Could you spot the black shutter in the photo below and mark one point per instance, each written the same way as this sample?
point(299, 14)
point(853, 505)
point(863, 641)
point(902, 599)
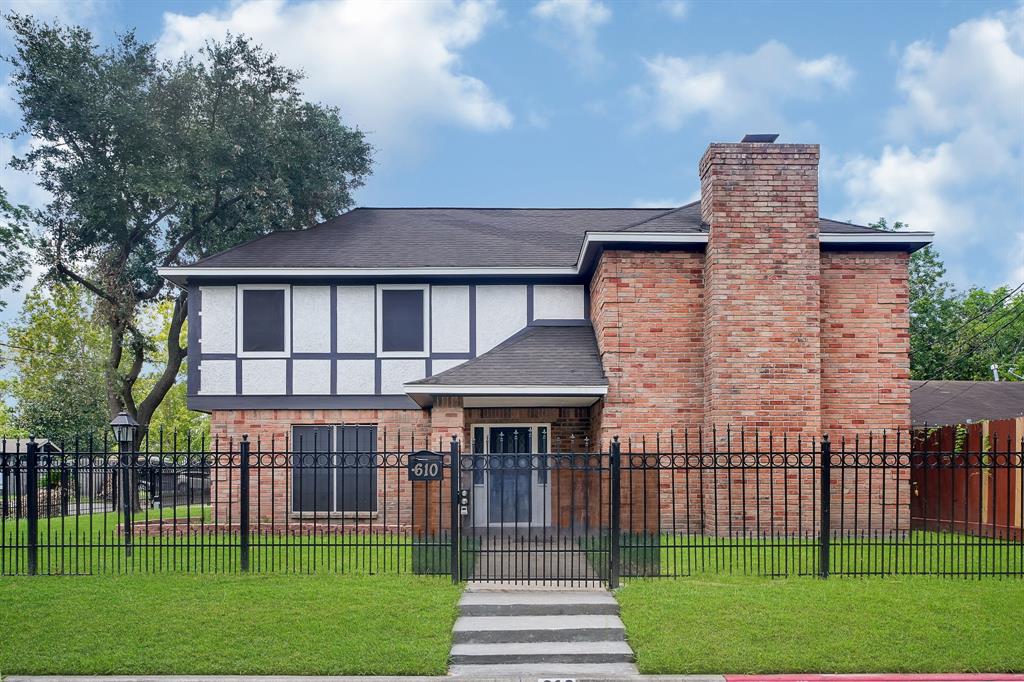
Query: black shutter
point(312, 488)
point(356, 475)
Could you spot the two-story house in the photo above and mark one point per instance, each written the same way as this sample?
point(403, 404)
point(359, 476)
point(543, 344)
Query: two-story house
point(512, 328)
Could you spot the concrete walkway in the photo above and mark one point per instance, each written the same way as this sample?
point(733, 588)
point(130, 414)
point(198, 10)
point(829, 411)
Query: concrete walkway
point(532, 560)
point(540, 634)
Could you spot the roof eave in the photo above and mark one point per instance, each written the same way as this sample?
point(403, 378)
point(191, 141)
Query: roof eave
point(424, 394)
point(885, 241)
point(592, 243)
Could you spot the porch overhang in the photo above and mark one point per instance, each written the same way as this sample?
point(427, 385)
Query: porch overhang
point(509, 396)
point(540, 366)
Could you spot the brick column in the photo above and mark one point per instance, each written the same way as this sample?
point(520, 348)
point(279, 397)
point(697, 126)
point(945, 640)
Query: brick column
point(433, 500)
point(762, 328)
point(647, 313)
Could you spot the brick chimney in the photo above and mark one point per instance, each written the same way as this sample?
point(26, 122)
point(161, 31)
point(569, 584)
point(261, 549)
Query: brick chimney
point(762, 353)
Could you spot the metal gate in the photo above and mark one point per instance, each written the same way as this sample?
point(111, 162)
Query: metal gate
point(531, 516)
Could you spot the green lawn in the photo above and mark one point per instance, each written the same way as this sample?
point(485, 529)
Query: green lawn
point(186, 624)
point(917, 552)
point(734, 624)
point(92, 544)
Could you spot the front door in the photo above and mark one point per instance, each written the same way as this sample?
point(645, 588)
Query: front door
point(510, 477)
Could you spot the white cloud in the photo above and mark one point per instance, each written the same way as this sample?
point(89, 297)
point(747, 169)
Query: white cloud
point(730, 89)
point(572, 27)
point(81, 12)
point(392, 67)
point(675, 9)
point(956, 161)
point(977, 78)
point(907, 186)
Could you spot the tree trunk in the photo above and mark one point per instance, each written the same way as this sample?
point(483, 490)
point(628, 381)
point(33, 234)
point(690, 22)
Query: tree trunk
point(119, 388)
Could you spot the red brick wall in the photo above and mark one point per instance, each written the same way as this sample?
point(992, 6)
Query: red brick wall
point(865, 377)
point(647, 311)
point(270, 486)
point(865, 342)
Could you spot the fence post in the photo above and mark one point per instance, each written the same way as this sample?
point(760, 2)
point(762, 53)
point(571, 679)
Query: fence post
point(127, 466)
point(824, 532)
point(614, 565)
point(243, 503)
point(453, 531)
point(32, 483)
point(6, 480)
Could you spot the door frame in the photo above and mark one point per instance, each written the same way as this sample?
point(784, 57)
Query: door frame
point(540, 493)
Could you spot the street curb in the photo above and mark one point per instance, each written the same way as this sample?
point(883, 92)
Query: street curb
point(345, 678)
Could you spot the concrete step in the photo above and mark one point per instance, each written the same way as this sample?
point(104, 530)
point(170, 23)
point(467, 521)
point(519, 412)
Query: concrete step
point(537, 603)
point(543, 671)
point(484, 630)
point(542, 652)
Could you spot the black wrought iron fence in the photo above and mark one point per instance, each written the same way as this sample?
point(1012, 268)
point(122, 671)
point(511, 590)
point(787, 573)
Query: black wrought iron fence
point(224, 506)
point(688, 503)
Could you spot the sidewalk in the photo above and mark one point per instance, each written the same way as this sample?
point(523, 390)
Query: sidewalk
point(874, 677)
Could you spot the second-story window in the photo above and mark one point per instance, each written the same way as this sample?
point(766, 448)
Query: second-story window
point(403, 312)
point(263, 320)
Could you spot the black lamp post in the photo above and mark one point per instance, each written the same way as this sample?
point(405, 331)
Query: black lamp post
point(125, 430)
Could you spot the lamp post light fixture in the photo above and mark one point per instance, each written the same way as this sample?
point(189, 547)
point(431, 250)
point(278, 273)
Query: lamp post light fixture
point(126, 429)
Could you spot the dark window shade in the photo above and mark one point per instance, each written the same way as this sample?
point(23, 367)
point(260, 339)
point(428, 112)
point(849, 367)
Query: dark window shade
point(356, 474)
point(263, 320)
point(402, 320)
point(334, 475)
point(312, 456)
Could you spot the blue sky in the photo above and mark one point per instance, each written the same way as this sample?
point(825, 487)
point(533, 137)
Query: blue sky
point(918, 107)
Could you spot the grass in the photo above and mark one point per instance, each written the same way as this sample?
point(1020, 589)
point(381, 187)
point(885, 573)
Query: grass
point(91, 544)
point(915, 553)
point(737, 625)
point(247, 625)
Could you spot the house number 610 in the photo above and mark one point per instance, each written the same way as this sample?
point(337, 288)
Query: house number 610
point(425, 467)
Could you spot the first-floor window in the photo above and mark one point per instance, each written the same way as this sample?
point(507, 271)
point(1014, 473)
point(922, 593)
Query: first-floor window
point(334, 468)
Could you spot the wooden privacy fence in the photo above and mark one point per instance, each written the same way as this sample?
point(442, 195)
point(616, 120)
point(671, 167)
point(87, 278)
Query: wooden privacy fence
point(959, 489)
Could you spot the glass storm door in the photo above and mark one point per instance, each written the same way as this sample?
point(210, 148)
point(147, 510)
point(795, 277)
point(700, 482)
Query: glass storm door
point(510, 475)
point(510, 479)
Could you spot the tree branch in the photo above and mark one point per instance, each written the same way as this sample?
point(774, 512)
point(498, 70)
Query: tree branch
point(71, 274)
point(128, 380)
point(175, 355)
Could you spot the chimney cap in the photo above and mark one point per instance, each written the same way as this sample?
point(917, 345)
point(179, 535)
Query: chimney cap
point(760, 137)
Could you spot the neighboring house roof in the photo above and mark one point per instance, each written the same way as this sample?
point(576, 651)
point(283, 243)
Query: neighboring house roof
point(478, 238)
point(10, 446)
point(538, 359)
point(939, 403)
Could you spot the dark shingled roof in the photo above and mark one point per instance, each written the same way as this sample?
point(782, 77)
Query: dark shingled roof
point(461, 237)
point(536, 356)
point(939, 403)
